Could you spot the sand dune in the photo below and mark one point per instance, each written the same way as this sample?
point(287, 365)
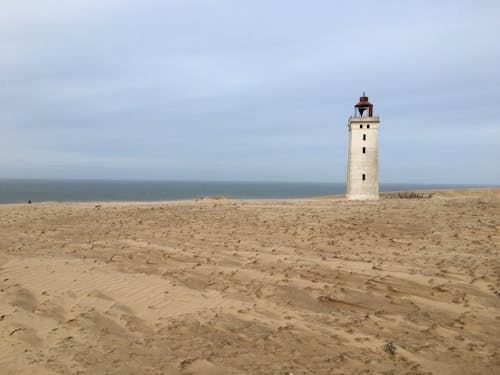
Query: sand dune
point(221, 286)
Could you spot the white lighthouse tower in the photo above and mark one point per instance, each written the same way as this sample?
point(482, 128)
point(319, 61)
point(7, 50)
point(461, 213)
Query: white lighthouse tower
point(362, 163)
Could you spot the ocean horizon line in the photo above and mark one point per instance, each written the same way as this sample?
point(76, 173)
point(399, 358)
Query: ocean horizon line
point(486, 185)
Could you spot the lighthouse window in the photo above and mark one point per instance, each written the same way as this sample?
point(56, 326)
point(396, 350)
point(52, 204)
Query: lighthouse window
point(361, 126)
point(364, 137)
point(368, 126)
point(364, 150)
point(364, 177)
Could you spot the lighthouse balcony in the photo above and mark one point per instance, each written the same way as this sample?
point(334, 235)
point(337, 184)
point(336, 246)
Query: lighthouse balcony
point(364, 119)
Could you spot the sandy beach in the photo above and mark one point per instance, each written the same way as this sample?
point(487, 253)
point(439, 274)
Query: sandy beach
point(222, 286)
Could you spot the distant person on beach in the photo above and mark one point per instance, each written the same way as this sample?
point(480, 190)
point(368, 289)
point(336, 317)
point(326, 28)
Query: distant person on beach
point(29, 201)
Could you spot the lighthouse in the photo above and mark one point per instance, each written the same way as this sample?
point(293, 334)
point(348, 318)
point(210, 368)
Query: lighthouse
point(362, 161)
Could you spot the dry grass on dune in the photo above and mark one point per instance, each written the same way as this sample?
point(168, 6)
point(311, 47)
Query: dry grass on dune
point(318, 286)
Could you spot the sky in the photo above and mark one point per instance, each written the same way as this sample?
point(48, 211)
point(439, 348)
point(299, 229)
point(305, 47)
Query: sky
point(248, 90)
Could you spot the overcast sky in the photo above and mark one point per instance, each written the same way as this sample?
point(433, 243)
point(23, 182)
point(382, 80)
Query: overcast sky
point(248, 90)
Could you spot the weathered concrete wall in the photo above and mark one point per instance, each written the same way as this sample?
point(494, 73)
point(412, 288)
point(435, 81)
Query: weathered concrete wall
point(363, 132)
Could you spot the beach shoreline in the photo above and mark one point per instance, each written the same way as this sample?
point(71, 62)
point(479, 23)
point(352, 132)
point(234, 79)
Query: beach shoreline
point(445, 192)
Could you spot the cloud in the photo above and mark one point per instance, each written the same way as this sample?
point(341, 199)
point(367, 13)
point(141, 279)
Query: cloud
point(240, 90)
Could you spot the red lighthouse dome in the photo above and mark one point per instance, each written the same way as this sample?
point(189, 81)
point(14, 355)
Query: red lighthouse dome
point(363, 105)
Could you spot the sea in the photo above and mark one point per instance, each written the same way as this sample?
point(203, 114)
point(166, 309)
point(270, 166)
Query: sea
point(24, 190)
